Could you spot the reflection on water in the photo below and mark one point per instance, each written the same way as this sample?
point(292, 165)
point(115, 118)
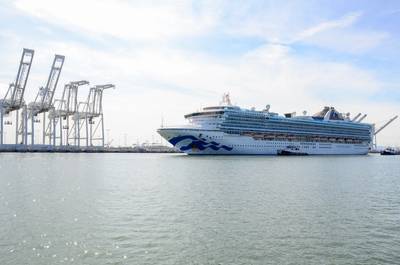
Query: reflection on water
point(177, 209)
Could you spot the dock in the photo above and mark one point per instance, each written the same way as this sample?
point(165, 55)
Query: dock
point(10, 148)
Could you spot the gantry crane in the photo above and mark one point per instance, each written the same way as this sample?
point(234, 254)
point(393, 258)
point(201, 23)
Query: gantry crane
point(91, 113)
point(14, 98)
point(44, 99)
point(64, 109)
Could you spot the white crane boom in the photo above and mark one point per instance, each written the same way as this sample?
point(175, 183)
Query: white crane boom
point(14, 98)
point(69, 100)
point(44, 99)
point(52, 81)
point(106, 86)
point(386, 124)
point(94, 103)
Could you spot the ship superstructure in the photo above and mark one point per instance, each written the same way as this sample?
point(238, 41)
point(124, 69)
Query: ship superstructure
point(229, 129)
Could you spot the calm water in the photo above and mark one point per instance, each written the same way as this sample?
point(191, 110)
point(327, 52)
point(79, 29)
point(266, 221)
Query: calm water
point(176, 209)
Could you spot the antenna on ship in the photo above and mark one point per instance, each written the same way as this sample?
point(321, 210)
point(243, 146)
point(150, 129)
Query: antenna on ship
point(226, 100)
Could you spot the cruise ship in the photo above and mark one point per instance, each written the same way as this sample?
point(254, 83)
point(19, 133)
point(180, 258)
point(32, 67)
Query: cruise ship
point(230, 130)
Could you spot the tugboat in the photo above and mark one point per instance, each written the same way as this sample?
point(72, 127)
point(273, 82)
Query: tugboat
point(390, 151)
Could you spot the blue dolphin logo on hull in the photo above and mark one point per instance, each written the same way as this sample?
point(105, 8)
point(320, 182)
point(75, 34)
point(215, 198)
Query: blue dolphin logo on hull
point(200, 144)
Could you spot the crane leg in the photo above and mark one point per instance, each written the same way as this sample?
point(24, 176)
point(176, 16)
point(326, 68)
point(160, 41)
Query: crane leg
point(87, 131)
point(25, 126)
point(16, 127)
point(33, 130)
point(102, 130)
point(54, 131)
point(1, 126)
point(61, 131)
point(44, 129)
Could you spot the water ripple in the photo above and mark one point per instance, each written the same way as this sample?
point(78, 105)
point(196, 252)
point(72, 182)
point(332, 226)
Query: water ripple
point(174, 209)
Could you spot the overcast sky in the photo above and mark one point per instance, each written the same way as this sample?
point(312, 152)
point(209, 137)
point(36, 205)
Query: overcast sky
point(168, 58)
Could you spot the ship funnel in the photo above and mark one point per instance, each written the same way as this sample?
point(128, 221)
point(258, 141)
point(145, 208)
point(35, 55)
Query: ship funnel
point(327, 115)
point(362, 118)
point(356, 117)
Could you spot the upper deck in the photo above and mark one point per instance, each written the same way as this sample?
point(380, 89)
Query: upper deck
point(326, 123)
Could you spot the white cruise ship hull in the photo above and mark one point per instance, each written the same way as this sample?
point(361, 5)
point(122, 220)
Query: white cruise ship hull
point(214, 142)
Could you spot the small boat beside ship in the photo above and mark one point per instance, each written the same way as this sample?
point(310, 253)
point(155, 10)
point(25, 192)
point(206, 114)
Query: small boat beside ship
point(390, 151)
